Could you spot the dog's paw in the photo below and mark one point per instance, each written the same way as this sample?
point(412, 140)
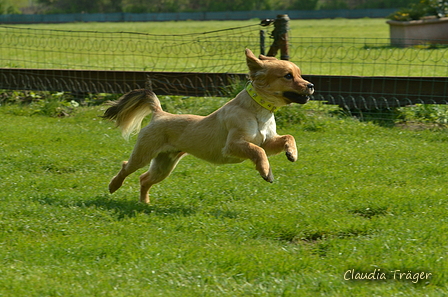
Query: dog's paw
point(269, 177)
point(291, 156)
point(115, 184)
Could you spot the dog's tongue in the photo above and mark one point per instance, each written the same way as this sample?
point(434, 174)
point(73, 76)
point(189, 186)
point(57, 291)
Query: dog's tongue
point(296, 97)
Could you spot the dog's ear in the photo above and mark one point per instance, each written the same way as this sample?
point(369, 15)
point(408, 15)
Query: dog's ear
point(267, 58)
point(253, 62)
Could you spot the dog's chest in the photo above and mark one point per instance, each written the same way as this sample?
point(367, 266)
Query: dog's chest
point(266, 128)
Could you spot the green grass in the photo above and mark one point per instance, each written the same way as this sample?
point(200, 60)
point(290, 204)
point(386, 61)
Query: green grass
point(319, 47)
point(360, 197)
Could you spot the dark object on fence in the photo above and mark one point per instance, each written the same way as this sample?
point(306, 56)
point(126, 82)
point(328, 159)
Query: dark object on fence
point(262, 42)
point(264, 23)
point(350, 92)
point(280, 35)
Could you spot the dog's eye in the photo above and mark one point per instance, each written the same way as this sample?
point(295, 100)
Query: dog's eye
point(288, 76)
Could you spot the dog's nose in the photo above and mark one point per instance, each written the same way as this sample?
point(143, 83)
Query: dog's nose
point(310, 86)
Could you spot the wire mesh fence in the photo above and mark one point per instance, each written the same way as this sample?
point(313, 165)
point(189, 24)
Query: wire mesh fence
point(215, 51)
point(368, 57)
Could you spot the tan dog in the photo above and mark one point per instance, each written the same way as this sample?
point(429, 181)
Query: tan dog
point(244, 128)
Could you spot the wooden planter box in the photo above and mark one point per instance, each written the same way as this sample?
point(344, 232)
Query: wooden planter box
point(434, 31)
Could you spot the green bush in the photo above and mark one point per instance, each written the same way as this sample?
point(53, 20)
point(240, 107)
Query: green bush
point(313, 116)
point(53, 104)
point(436, 114)
point(421, 9)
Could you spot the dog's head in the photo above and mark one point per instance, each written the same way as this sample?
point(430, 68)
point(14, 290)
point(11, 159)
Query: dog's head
point(277, 80)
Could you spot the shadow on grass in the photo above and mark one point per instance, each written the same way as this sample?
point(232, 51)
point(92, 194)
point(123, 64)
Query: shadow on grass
point(123, 208)
point(370, 212)
point(129, 209)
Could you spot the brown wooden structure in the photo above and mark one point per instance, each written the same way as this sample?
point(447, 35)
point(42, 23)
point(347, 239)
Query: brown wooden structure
point(350, 92)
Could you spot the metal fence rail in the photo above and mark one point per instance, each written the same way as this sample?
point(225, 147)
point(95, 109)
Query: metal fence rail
point(350, 92)
point(378, 93)
point(98, 81)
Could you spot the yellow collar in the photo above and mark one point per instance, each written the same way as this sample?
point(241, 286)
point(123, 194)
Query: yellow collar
point(257, 98)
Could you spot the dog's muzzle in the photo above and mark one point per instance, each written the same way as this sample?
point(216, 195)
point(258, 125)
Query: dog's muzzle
point(296, 97)
point(299, 98)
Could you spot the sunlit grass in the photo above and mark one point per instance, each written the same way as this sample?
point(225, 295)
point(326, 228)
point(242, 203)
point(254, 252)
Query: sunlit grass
point(360, 197)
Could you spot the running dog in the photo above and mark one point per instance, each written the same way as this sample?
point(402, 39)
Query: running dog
point(244, 128)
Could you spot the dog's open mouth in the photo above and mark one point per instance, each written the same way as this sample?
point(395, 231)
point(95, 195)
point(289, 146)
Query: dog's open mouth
point(296, 97)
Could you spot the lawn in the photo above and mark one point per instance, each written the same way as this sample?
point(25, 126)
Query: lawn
point(360, 199)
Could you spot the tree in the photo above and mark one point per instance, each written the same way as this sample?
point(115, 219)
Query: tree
point(7, 8)
point(88, 6)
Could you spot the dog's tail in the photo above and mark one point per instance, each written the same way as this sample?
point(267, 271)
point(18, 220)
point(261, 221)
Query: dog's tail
point(129, 111)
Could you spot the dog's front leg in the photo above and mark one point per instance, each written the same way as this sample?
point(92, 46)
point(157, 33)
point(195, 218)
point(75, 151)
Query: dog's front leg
point(279, 143)
point(246, 150)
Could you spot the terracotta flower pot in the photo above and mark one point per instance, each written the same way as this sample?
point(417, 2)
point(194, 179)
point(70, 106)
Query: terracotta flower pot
point(433, 31)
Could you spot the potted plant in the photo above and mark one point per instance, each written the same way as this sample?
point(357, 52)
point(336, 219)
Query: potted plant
point(421, 23)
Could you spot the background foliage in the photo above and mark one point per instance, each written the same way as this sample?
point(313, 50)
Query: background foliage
point(140, 6)
point(421, 9)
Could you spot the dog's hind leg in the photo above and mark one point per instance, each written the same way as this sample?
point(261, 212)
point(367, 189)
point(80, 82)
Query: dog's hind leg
point(118, 179)
point(160, 168)
point(140, 157)
point(127, 168)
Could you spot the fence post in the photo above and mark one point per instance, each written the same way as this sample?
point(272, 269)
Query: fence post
point(280, 35)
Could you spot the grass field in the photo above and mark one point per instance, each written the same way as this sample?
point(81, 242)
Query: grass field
point(360, 199)
point(328, 47)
